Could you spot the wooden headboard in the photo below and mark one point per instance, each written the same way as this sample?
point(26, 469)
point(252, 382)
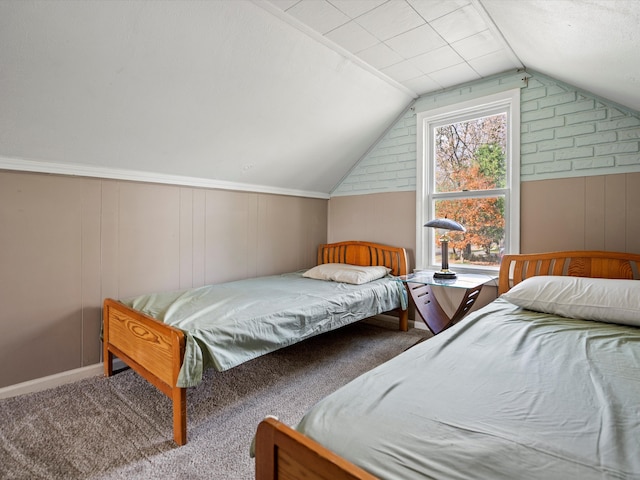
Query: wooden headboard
point(576, 263)
point(365, 254)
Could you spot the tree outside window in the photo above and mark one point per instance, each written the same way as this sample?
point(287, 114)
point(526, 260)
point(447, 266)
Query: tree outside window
point(470, 157)
point(468, 170)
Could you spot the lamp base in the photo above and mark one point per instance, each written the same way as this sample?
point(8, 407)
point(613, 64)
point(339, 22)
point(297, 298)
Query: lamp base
point(445, 274)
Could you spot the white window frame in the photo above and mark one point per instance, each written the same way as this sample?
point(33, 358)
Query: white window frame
point(507, 102)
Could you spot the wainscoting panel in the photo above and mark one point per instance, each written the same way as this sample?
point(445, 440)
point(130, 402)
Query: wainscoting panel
point(68, 242)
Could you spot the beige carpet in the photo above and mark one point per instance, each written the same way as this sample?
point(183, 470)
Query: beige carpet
point(120, 427)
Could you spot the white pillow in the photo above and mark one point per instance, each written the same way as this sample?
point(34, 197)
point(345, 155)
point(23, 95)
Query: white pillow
point(342, 272)
point(607, 300)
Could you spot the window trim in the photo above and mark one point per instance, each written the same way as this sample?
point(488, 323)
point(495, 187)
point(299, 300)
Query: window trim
point(507, 101)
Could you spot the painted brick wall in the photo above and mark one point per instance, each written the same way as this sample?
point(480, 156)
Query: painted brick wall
point(390, 166)
point(568, 133)
point(564, 133)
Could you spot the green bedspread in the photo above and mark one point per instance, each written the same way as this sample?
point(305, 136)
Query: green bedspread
point(230, 323)
point(505, 394)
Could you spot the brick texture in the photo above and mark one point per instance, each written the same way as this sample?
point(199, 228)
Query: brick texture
point(564, 133)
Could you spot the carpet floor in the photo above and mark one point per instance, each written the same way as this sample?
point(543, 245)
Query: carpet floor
point(120, 427)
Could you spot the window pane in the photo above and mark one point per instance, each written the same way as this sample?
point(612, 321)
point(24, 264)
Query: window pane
point(483, 242)
point(470, 155)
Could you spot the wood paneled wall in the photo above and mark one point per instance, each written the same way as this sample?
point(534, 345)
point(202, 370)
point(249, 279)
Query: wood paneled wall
point(68, 242)
point(585, 213)
point(590, 213)
point(388, 218)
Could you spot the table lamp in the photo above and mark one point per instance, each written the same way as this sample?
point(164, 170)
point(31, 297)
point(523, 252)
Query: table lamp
point(445, 224)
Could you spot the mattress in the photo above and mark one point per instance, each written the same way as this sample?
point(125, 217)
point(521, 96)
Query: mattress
point(506, 393)
point(230, 323)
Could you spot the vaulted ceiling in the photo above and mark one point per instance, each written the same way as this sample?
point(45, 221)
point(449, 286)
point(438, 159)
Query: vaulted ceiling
point(280, 95)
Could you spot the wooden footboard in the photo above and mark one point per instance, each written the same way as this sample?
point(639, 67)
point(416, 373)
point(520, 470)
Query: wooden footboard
point(283, 453)
point(153, 349)
point(156, 350)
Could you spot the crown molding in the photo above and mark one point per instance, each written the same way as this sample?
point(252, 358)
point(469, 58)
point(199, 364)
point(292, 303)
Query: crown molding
point(147, 177)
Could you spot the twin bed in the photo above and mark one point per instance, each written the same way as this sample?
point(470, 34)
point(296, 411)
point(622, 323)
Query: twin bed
point(544, 382)
point(171, 338)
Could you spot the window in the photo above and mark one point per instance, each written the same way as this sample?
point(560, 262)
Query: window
point(468, 171)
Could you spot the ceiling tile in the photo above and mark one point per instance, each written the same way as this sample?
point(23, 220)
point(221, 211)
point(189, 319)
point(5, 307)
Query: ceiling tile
point(477, 45)
point(493, 63)
point(432, 9)
point(438, 59)
point(422, 84)
point(355, 8)
point(352, 37)
point(461, 23)
point(455, 75)
point(390, 19)
point(320, 15)
point(380, 56)
point(414, 42)
point(402, 71)
point(284, 4)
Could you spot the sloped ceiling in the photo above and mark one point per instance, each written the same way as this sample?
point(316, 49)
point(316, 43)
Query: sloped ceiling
point(591, 44)
point(281, 95)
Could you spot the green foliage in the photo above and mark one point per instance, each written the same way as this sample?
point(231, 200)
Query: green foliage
point(470, 156)
point(492, 164)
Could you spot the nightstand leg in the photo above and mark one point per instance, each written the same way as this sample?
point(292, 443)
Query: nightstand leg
point(428, 307)
point(430, 310)
point(470, 297)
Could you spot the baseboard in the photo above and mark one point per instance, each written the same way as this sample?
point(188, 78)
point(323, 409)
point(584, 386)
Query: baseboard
point(57, 379)
point(70, 376)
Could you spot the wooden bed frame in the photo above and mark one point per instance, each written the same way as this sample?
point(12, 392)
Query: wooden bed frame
point(283, 453)
point(156, 350)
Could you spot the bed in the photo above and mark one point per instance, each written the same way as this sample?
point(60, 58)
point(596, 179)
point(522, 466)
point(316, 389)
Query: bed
point(543, 382)
point(170, 338)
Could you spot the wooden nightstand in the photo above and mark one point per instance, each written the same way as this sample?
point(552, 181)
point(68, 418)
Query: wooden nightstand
point(419, 287)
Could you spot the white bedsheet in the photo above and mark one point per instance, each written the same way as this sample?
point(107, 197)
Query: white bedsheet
point(230, 323)
point(504, 394)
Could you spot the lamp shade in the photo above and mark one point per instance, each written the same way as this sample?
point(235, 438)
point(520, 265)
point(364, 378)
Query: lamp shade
point(445, 224)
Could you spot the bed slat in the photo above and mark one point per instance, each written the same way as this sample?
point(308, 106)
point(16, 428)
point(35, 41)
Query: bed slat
point(545, 267)
point(577, 263)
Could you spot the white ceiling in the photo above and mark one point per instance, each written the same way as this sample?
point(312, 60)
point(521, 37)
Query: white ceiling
point(428, 45)
point(425, 45)
point(284, 95)
point(591, 44)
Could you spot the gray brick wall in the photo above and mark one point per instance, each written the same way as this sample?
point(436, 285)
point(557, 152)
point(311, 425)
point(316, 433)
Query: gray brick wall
point(564, 133)
point(568, 133)
point(390, 166)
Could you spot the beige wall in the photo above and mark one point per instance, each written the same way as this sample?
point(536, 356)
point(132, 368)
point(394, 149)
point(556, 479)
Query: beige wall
point(586, 213)
point(68, 242)
point(388, 218)
point(590, 213)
